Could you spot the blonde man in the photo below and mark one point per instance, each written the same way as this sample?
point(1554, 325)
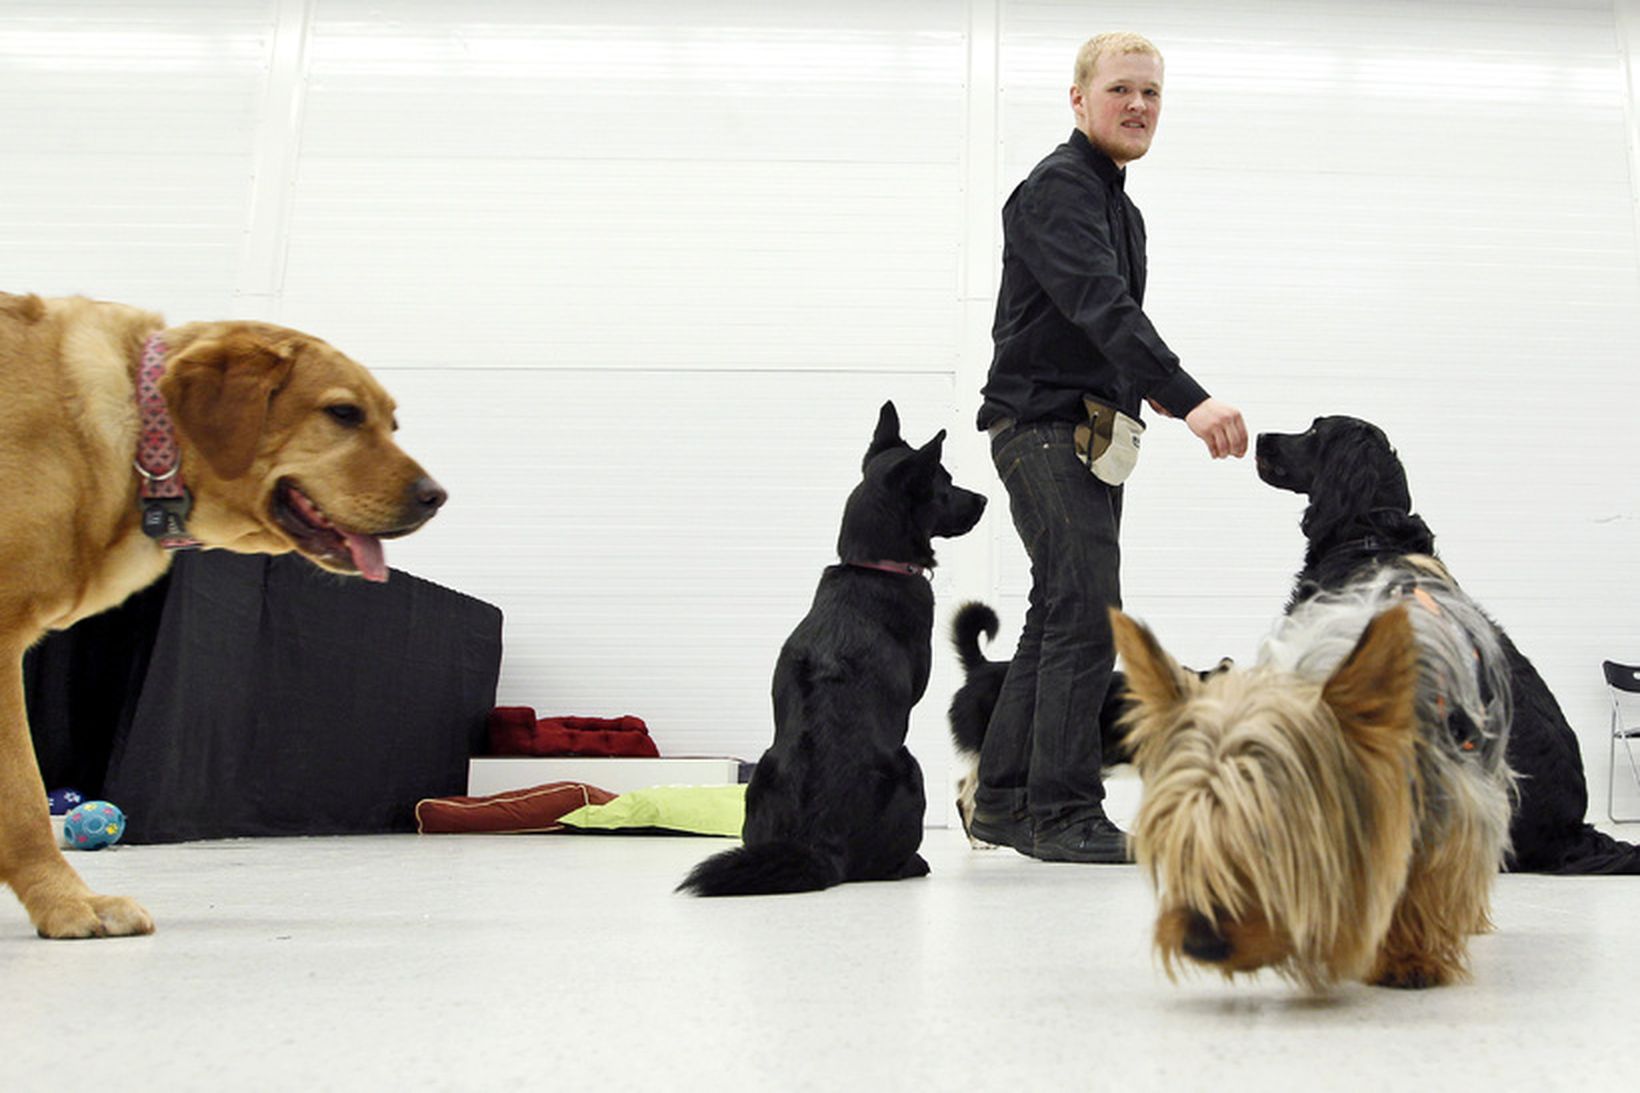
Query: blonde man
point(1070, 326)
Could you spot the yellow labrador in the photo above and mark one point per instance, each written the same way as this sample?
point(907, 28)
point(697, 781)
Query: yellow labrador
point(121, 438)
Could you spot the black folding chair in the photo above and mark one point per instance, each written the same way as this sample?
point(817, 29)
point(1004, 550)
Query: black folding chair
point(1623, 680)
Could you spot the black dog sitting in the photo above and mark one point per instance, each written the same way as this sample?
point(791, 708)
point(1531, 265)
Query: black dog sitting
point(1360, 516)
point(837, 797)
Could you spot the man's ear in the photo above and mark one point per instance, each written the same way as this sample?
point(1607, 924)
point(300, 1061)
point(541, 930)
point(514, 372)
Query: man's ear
point(1373, 692)
point(1079, 103)
point(218, 391)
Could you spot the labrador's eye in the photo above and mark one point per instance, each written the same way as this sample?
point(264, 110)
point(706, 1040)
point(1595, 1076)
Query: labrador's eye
point(346, 414)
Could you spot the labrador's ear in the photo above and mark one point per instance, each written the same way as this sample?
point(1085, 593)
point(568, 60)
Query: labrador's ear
point(218, 391)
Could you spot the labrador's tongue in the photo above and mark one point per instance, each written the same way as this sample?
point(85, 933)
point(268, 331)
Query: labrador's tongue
point(368, 555)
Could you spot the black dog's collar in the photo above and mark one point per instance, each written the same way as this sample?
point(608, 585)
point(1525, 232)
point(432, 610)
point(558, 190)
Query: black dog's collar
point(906, 569)
point(1367, 544)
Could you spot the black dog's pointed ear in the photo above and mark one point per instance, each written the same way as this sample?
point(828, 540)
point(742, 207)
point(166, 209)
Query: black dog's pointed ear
point(887, 434)
point(933, 449)
point(926, 460)
point(915, 474)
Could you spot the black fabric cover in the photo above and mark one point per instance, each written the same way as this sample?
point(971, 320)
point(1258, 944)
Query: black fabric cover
point(247, 695)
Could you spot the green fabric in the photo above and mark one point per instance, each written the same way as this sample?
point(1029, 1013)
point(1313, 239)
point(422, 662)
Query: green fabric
point(701, 810)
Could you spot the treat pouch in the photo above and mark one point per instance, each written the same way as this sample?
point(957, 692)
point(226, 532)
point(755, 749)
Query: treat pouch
point(1108, 442)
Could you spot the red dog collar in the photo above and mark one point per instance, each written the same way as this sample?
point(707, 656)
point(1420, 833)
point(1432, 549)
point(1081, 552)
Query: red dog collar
point(165, 500)
point(906, 569)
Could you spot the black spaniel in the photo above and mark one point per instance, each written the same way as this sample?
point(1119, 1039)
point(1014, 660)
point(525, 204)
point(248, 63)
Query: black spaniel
point(1360, 517)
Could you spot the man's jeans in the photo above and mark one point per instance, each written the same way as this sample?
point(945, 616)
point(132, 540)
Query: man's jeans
point(1041, 751)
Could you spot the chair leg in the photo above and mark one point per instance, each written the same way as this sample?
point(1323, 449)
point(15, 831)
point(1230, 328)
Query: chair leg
point(1611, 772)
point(1634, 769)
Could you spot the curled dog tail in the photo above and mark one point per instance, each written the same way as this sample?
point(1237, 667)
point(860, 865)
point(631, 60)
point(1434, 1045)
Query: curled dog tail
point(971, 620)
point(763, 869)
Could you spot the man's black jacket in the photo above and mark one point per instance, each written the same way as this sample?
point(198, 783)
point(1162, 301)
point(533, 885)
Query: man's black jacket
point(1068, 319)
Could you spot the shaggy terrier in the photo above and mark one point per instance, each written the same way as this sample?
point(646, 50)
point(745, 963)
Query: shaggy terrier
point(1338, 810)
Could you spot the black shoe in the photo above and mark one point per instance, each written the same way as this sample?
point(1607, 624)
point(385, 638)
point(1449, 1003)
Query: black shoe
point(1009, 829)
point(1092, 840)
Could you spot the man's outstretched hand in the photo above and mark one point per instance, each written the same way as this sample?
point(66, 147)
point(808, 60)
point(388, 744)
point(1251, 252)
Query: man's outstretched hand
point(1220, 427)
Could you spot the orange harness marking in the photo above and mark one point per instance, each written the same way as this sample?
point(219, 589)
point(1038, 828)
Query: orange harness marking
point(1427, 602)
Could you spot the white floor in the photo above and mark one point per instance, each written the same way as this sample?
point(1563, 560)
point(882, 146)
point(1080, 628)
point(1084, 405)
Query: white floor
point(565, 961)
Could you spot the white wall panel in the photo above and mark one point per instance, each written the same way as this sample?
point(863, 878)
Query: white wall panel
point(127, 136)
point(639, 275)
point(742, 186)
point(571, 264)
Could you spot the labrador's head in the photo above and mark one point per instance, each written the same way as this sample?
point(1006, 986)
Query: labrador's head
point(288, 446)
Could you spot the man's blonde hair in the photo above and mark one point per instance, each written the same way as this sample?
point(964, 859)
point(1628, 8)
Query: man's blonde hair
point(1120, 41)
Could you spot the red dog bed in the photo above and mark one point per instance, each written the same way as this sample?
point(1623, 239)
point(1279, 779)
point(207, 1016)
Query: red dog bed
point(515, 730)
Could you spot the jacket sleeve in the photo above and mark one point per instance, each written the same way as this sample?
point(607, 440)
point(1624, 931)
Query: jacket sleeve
point(1061, 232)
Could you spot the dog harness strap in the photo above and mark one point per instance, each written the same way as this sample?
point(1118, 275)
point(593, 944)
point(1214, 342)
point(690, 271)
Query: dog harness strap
point(165, 500)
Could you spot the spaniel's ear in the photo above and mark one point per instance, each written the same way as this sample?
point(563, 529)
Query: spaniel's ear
point(218, 391)
point(1360, 470)
point(1348, 470)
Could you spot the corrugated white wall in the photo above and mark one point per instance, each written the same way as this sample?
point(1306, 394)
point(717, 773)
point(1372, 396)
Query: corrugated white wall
point(640, 274)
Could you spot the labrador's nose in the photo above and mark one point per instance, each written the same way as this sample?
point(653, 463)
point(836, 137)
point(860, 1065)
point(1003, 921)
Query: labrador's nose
point(427, 497)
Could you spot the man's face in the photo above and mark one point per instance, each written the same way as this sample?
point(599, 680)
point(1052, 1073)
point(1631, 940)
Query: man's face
point(1119, 108)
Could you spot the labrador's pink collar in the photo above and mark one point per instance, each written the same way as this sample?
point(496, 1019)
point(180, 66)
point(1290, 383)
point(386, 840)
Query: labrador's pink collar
point(164, 499)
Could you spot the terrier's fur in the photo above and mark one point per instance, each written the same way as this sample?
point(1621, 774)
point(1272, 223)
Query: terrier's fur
point(1337, 811)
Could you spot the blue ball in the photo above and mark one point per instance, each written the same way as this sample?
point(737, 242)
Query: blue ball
point(93, 825)
point(63, 799)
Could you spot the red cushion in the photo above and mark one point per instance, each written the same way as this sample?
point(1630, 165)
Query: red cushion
point(511, 729)
point(516, 811)
point(515, 730)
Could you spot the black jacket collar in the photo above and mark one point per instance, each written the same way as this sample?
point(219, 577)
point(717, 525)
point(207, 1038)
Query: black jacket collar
point(1102, 164)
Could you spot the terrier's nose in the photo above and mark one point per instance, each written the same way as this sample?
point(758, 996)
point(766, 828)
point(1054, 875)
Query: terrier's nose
point(1203, 942)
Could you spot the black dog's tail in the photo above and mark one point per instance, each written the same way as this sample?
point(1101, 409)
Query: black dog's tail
point(1593, 851)
point(971, 620)
point(762, 870)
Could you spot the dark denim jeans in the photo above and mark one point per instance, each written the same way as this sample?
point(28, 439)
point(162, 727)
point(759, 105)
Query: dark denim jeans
point(1041, 751)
